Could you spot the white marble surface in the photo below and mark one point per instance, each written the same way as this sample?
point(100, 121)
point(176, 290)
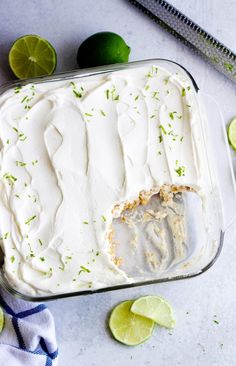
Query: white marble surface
point(81, 322)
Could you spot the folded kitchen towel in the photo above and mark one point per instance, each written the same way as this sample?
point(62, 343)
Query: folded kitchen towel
point(28, 337)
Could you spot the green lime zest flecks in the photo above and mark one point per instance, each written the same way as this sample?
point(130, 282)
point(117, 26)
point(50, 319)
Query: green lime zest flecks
point(12, 259)
point(180, 170)
point(77, 92)
point(20, 163)
point(163, 129)
point(155, 95)
point(30, 219)
point(17, 89)
point(171, 115)
point(21, 135)
point(104, 218)
point(5, 236)
point(24, 99)
point(114, 95)
point(107, 93)
point(34, 162)
point(166, 80)
point(84, 269)
point(10, 178)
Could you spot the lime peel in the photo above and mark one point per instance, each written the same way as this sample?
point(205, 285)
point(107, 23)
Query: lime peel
point(156, 309)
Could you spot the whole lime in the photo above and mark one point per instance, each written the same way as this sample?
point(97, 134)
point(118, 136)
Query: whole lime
point(103, 48)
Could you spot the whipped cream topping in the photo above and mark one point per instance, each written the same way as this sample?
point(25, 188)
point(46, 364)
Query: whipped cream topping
point(74, 149)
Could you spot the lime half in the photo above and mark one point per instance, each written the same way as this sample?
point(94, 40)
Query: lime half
point(1, 320)
point(127, 327)
point(32, 56)
point(155, 308)
point(232, 133)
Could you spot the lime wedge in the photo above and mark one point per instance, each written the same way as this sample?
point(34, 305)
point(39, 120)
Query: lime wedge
point(155, 308)
point(1, 320)
point(232, 133)
point(32, 56)
point(127, 327)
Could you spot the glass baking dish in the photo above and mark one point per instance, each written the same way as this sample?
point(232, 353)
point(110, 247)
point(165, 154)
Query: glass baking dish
point(222, 197)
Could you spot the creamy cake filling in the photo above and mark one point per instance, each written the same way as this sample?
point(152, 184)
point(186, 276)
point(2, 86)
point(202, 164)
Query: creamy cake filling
point(75, 152)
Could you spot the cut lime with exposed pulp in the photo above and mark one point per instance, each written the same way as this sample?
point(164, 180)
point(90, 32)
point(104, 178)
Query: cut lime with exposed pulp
point(127, 327)
point(103, 48)
point(31, 56)
point(1, 320)
point(155, 308)
point(232, 133)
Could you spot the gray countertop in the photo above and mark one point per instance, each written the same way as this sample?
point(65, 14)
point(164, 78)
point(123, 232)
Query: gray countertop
point(81, 322)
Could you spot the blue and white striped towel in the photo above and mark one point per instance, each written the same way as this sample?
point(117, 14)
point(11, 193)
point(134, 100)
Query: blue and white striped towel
point(28, 337)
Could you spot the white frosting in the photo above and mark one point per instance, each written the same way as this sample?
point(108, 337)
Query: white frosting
point(70, 151)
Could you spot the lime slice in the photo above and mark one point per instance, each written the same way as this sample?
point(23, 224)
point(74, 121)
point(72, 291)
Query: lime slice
point(127, 327)
point(232, 133)
point(32, 56)
point(1, 320)
point(155, 308)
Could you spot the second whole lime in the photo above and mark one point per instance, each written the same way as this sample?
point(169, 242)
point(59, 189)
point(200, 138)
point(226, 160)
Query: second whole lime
point(103, 48)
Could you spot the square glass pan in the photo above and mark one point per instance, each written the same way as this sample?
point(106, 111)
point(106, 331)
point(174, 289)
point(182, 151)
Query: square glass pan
point(222, 197)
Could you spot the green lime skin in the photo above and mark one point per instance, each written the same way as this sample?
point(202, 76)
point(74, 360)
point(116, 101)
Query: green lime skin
point(103, 48)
